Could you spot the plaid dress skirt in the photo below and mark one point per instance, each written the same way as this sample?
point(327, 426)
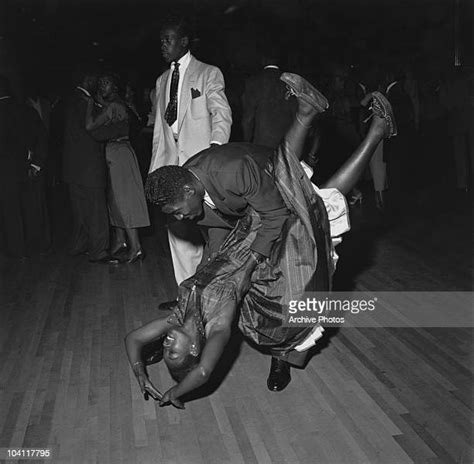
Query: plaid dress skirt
point(300, 262)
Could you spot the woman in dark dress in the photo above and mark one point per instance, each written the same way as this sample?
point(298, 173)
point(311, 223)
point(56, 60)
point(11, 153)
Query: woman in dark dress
point(126, 199)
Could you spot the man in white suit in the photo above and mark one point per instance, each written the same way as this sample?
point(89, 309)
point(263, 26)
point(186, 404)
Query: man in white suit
point(192, 113)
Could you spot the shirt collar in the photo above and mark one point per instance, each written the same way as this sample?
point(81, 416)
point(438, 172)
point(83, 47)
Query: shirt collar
point(183, 61)
point(84, 91)
point(207, 198)
point(271, 66)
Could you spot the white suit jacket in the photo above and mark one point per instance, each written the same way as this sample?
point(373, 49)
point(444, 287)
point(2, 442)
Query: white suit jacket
point(204, 115)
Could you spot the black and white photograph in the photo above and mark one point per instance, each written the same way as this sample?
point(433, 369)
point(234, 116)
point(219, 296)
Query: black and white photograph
point(236, 231)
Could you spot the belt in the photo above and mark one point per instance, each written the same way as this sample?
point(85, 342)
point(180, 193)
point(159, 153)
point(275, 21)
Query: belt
point(120, 139)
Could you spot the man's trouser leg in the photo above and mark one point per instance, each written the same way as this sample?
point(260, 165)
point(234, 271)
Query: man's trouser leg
point(79, 233)
point(91, 222)
point(293, 357)
point(11, 217)
point(97, 222)
point(186, 246)
point(36, 214)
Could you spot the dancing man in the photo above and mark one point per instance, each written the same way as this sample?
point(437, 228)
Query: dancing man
point(269, 242)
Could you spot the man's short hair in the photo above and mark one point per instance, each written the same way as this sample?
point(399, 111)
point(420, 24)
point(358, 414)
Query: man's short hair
point(165, 185)
point(180, 24)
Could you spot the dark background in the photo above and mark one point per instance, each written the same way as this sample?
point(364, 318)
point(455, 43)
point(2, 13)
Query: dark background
point(42, 40)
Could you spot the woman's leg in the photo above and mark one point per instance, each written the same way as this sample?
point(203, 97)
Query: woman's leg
point(350, 172)
point(119, 241)
point(133, 241)
point(296, 135)
point(310, 103)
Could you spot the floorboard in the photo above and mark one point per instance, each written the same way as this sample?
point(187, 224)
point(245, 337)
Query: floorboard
point(370, 395)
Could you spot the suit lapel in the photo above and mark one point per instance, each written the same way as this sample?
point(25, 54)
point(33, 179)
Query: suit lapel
point(185, 98)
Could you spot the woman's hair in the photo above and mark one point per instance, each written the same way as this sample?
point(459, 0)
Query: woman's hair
point(187, 365)
point(116, 79)
point(165, 185)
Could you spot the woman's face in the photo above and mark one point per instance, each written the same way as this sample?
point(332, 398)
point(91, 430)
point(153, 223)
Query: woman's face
point(176, 346)
point(106, 87)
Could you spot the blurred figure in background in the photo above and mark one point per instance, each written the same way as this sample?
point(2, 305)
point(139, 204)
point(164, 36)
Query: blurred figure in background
point(24, 224)
point(456, 95)
point(340, 134)
point(400, 153)
point(378, 170)
point(267, 112)
point(84, 171)
point(125, 195)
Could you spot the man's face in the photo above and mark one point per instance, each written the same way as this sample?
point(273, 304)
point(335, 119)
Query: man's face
point(173, 47)
point(189, 206)
point(90, 83)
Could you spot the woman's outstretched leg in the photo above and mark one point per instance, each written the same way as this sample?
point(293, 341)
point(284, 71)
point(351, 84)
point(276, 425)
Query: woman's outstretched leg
point(310, 103)
point(382, 126)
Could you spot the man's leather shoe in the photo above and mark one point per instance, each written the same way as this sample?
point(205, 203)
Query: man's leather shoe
point(107, 259)
point(76, 252)
point(167, 305)
point(301, 88)
point(279, 376)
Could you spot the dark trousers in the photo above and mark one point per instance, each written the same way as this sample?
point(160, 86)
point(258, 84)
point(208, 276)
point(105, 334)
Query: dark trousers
point(401, 156)
point(11, 218)
point(91, 220)
point(24, 217)
point(35, 214)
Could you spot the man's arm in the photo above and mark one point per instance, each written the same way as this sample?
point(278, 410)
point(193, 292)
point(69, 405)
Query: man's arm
point(218, 106)
point(157, 129)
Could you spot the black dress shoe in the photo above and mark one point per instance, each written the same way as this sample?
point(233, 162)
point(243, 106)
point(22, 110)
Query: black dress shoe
point(279, 376)
point(107, 259)
point(138, 256)
point(117, 250)
point(76, 252)
point(167, 305)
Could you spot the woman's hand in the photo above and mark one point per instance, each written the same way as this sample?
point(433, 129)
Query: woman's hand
point(147, 388)
point(170, 398)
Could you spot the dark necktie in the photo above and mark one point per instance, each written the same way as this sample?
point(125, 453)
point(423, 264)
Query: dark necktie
point(171, 112)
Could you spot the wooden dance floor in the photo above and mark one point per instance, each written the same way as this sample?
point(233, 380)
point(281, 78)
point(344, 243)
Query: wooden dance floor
point(368, 396)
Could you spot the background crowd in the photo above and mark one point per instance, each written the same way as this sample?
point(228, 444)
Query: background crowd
point(430, 160)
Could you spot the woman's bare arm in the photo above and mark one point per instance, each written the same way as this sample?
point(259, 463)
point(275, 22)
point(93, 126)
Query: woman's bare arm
point(134, 342)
